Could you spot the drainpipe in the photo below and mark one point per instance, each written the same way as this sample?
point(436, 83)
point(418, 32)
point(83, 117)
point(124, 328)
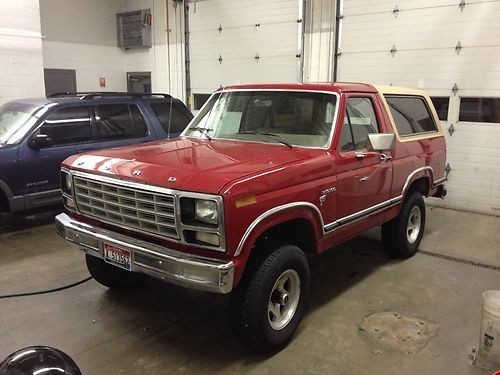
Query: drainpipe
point(338, 36)
point(300, 41)
point(186, 54)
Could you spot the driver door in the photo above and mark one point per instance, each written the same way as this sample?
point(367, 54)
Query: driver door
point(70, 133)
point(364, 177)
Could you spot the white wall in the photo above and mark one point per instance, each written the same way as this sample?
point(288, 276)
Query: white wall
point(21, 64)
point(81, 35)
point(165, 59)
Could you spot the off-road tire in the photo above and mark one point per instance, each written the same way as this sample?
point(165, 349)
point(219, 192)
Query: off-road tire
point(111, 276)
point(398, 237)
point(250, 301)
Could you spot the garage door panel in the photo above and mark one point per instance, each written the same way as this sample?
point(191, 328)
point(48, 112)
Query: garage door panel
point(241, 71)
point(238, 43)
point(212, 13)
point(264, 42)
point(425, 57)
point(357, 7)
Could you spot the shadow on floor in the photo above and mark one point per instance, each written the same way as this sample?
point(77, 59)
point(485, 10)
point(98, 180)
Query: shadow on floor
point(11, 222)
point(181, 322)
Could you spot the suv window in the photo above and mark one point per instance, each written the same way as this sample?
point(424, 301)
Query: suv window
point(177, 119)
point(67, 126)
point(359, 121)
point(411, 115)
point(113, 121)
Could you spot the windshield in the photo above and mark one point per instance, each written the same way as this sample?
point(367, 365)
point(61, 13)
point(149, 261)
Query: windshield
point(15, 120)
point(288, 117)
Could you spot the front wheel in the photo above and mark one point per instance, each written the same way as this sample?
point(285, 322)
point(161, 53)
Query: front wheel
point(269, 303)
point(111, 276)
point(402, 235)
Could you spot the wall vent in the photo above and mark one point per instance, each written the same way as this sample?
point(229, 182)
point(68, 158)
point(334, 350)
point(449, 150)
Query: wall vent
point(134, 29)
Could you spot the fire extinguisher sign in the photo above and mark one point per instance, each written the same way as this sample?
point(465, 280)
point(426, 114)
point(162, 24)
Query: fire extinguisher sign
point(102, 82)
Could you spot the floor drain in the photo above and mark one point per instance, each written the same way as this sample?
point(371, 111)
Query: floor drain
point(455, 259)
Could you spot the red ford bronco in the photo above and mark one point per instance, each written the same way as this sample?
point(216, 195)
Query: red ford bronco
point(261, 176)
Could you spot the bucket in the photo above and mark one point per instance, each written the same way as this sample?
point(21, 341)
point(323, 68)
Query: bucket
point(489, 339)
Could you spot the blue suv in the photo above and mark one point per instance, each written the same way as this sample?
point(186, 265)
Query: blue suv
point(36, 135)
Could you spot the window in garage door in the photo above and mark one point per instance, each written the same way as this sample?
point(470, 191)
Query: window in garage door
point(479, 110)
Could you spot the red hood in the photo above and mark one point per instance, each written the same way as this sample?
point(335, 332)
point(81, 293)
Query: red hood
point(196, 164)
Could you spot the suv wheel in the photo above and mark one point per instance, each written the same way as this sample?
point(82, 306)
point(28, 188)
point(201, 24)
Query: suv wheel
point(111, 276)
point(402, 235)
point(269, 303)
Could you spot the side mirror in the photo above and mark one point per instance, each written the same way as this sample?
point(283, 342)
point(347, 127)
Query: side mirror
point(40, 141)
point(382, 142)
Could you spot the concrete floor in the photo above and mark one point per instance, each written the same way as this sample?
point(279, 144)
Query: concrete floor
point(163, 329)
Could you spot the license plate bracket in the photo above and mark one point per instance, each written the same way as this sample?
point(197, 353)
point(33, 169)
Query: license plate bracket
point(117, 256)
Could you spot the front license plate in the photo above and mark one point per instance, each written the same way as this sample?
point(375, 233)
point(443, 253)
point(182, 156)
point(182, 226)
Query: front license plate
point(117, 256)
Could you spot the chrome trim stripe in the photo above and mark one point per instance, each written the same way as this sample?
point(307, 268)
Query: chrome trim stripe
point(271, 212)
point(179, 268)
point(346, 220)
point(439, 182)
point(410, 176)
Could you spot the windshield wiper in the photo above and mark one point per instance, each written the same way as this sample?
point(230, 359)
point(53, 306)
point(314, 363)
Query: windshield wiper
point(265, 133)
point(204, 131)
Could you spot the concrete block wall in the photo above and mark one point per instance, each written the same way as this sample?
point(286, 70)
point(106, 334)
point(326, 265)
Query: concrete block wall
point(21, 59)
point(81, 35)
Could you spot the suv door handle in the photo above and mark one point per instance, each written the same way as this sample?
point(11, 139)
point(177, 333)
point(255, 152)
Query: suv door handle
point(359, 154)
point(86, 150)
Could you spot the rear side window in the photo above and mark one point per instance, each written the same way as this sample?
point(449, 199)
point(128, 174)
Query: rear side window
point(359, 121)
point(68, 126)
point(172, 122)
point(115, 121)
point(411, 115)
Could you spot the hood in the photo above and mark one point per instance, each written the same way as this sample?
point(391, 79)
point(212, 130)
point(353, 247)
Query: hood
point(187, 163)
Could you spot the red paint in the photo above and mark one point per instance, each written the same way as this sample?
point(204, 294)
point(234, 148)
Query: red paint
point(276, 175)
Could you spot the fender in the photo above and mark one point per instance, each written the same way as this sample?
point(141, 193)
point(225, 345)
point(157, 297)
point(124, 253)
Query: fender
point(14, 204)
point(417, 173)
point(276, 216)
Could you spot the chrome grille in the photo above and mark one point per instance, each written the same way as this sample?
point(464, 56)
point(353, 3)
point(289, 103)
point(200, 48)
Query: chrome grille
point(137, 209)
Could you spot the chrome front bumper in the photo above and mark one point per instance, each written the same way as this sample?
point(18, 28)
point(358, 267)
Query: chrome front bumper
point(191, 271)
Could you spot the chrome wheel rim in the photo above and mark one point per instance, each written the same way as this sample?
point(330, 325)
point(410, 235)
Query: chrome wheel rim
point(414, 224)
point(283, 300)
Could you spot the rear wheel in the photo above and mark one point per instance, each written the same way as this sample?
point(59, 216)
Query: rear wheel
point(269, 303)
point(111, 276)
point(402, 235)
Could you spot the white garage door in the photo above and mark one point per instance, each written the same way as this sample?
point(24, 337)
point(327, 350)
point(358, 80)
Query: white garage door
point(437, 45)
point(241, 41)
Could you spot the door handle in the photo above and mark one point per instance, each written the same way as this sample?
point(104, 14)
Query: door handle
point(385, 157)
point(359, 154)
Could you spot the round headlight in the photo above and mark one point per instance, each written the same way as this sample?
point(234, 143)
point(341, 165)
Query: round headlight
point(206, 211)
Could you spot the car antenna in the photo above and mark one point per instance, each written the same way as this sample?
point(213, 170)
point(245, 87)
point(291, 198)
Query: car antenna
point(169, 117)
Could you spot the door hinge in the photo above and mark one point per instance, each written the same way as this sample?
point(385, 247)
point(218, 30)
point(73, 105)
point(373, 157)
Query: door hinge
point(451, 130)
point(447, 170)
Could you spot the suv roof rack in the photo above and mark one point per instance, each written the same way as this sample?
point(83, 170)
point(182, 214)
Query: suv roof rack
point(107, 94)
